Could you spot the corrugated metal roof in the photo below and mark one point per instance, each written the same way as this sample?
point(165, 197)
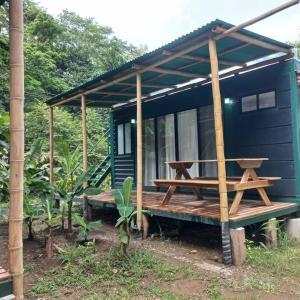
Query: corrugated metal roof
point(180, 68)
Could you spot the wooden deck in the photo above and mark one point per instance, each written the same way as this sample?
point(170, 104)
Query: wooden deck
point(187, 207)
point(5, 283)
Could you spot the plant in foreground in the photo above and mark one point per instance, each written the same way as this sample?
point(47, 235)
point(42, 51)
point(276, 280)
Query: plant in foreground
point(127, 212)
point(32, 211)
point(85, 226)
point(52, 220)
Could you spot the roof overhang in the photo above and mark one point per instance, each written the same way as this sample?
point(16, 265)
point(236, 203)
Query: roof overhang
point(179, 63)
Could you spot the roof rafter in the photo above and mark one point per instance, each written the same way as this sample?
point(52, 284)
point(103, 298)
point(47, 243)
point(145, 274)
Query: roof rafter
point(205, 59)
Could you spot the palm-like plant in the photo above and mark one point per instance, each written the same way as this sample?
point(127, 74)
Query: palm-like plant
point(85, 227)
point(32, 212)
point(127, 212)
point(52, 220)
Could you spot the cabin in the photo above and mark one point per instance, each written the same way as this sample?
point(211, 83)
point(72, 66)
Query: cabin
point(207, 125)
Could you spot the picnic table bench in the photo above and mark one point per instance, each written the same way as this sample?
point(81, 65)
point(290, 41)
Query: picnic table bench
point(249, 180)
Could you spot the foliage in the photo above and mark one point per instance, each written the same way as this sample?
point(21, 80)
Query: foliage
point(52, 219)
point(4, 146)
point(126, 211)
point(32, 212)
point(72, 178)
point(60, 53)
point(85, 227)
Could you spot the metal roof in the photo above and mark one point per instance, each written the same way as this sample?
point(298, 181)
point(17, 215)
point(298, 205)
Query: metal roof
point(165, 68)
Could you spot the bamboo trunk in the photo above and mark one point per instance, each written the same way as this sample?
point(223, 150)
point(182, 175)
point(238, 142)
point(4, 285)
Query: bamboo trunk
point(15, 239)
point(220, 151)
point(139, 150)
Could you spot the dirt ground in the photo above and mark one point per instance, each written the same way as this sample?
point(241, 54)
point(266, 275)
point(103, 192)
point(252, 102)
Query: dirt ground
point(177, 243)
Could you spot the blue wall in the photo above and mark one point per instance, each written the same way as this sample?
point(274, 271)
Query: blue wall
point(263, 133)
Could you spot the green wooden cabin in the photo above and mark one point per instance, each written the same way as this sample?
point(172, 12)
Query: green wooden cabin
point(261, 118)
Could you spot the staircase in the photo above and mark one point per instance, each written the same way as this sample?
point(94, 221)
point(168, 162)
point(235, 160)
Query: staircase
point(100, 172)
point(103, 169)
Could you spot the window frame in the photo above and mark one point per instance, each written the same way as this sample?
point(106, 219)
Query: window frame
point(257, 93)
point(124, 139)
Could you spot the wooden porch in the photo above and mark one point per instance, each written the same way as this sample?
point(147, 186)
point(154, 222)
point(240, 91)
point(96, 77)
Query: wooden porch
point(187, 207)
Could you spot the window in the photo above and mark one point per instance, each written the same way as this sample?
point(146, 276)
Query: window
point(266, 100)
point(166, 145)
point(207, 140)
point(149, 156)
point(124, 138)
point(249, 103)
point(259, 101)
point(188, 138)
point(121, 139)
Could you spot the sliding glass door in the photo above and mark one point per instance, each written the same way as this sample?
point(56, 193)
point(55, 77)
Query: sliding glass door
point(207, 140)
point(166, 145)
point(188, 138)
point(149, 156)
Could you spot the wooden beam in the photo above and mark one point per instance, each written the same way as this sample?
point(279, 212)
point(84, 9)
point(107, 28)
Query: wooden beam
point(169, 71)
point(159, 86)
point(233, 49)
point(220, 151)
point(249, 40)
point(139, 119)
point(16, 184)
point(51, 143)
point(222, 76)
point(201, 59)
point(261, 17)
point(115, 94)
point(128, 76)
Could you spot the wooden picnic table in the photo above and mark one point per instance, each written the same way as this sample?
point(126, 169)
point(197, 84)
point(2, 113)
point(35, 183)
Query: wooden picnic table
point(249, 180)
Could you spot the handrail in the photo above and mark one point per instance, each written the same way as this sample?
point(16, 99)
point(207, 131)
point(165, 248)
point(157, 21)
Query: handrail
point(104, 136)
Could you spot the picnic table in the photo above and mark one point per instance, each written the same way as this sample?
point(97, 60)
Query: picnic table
point(249, 180)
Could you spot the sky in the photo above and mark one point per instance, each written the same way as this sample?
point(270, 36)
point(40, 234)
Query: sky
point(157, 22)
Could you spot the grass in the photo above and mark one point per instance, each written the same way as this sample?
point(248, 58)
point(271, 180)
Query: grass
point(115, 276)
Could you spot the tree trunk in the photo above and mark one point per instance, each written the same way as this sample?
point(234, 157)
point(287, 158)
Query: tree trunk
point(30, 233)
point(49, 244)
point(70, 204)
point(63, 218)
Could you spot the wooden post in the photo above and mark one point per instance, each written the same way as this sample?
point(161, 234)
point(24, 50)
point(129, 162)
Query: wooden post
point(51, 139)
point(15, 238)
point(271, 233)
point(139, 198)
point(220, 151)
point(84, 154)
point(238, 243)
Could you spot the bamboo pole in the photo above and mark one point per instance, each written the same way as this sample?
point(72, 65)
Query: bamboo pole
point(261, 17)
point(84, 137)
point(220, 150)
point(15, 239)
point(51, 140)
point(84, 152)
point(139, 150)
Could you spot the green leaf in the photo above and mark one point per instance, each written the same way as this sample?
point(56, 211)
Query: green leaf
point(127, 189)
point(91, 191)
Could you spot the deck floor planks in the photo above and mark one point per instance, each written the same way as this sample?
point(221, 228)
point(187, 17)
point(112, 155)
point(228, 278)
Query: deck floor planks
point(4, 275)
point(189, 205)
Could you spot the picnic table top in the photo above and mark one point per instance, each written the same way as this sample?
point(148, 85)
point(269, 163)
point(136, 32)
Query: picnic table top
point(215, 160)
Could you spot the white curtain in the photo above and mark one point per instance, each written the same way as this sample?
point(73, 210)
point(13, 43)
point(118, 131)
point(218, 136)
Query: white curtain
point(120, 139)
point(188, 138)
point(149, 159)
point(207, 140)
point(166, 145)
